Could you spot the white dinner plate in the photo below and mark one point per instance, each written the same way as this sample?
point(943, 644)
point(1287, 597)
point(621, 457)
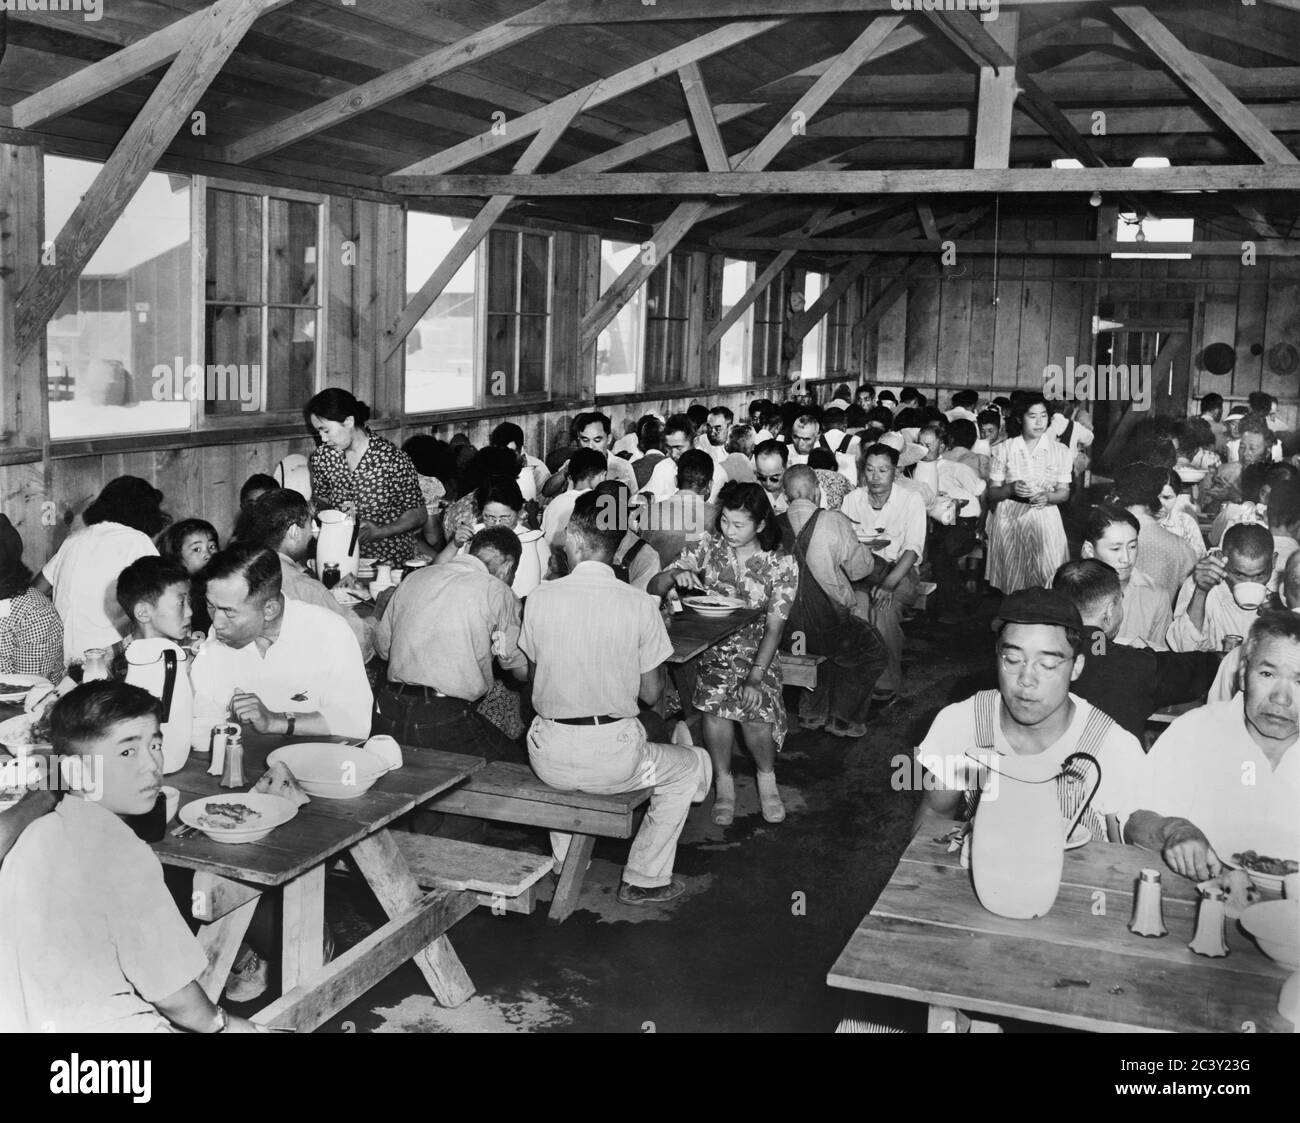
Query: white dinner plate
point(713, 605)
point(15, 687)
point(16, 735)
point(1270, 881)
point(268, 812)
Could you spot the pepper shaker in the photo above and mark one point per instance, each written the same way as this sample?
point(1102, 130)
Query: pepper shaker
point(1148, 918)
point(1210, 919)
point(232, 772)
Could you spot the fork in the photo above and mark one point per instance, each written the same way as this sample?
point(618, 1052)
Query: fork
point(184, 831)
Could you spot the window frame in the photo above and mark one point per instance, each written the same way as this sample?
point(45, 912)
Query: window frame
point(745, 325)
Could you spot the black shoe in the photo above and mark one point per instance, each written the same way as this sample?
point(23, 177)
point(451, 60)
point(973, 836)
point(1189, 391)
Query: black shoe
point(635, 895)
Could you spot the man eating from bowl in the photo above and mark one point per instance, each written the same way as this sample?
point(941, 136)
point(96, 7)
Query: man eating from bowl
point(90, 938)
point(1223, 595)
point(1226, 778)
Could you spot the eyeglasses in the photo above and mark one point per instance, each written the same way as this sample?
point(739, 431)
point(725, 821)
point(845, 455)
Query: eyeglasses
point(772, 479)
point(500, 520)
point(1013, 661)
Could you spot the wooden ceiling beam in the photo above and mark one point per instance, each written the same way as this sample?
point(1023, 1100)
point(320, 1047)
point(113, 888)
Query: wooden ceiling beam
point(848, 273)
point(661, 138)
point(638, 11)
point(1216, 97)
point(108, 74)
point(1020, 247)
point(1216, 177)
point(706, 124)
point(996, 105)
point(596, 94)
point(205, 51)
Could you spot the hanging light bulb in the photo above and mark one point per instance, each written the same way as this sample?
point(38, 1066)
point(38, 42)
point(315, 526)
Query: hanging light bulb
point(1095, 199)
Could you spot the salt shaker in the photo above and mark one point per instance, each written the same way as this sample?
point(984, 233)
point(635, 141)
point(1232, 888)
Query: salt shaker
point(1148, 919)
point(1210, 918)
point(232, 771)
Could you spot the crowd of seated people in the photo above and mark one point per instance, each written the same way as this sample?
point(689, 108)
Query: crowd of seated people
point(1117, 597)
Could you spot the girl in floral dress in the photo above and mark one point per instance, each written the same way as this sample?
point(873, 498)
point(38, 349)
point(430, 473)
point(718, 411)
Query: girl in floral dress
point(739, 683)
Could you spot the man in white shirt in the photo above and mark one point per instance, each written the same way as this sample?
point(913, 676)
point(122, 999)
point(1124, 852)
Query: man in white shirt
point(717, 429)
point(891, 521)
point(958, 481)
point(1032, 720)
point(965, 406)
point(1111, 536)
point(1226, 778)
point(1227, 683)
point(592, 431)
point(278, 665)
point(805, 435)
point(533, 473)
point(587, 468)
point(769, 466)
point(679, 435)
point(1218, 599)
point(682, 519)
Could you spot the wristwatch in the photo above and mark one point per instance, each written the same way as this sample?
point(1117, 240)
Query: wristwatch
point(292, 720)
point(223, 1020)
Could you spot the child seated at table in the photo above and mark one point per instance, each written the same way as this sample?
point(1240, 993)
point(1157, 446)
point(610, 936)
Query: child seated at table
point(90, 938)
point(190, 544)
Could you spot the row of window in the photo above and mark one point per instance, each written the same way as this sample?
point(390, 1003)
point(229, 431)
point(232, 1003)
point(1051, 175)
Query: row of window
point(121, 347)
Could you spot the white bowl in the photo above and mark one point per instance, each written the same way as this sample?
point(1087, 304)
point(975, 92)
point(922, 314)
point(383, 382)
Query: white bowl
point(16, 735)
point(1190, 475)
point(713, 605)
point(272, 812)
point(15, 687)
point(328, 770)
point(1275, 925)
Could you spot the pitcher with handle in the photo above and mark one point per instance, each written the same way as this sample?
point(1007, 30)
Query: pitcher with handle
point(337, 543)
point(1019, 832)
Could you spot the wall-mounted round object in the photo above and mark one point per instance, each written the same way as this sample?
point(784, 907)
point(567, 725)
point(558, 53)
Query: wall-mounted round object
point(1218, 358)
point(1257, 349)
point(1283, 359)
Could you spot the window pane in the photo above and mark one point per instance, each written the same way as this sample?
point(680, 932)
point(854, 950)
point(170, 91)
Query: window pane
point(532, 354)
point(679, 289)
point(733, 351)
point(234, 268)
point(500, 354)
point(503, 251)
point(290, 357)
point(810, 360)
point(234, 350)
point(618, 349)
point(534, 274)
point(292, 236)
point(127, 319)
point(440, 350)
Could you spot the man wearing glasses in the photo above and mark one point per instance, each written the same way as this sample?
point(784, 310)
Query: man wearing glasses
point(1040, 652)
point(769, 469)
point(679, 437)
point(717, 429)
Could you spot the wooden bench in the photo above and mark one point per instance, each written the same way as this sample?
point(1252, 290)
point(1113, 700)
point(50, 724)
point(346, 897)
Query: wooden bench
point(505, 880)
point(511, 793)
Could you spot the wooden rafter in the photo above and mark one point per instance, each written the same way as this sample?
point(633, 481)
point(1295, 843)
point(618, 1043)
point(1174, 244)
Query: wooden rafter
point(1214, 177)
point(205, 51)
point(99, 78)
point(595, 93)
point(638, 11)
point(1263, 247)
point(685, 215)
point(386, 87)
point(1221, 101)
point(997, 100)
point(660, 139)
point(830, 296)
point(562, 114)
point(706, 124)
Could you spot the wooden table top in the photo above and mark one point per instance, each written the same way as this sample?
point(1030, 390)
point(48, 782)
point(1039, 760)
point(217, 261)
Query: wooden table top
point(928, 939)
point(321, 829)
point(693, 633)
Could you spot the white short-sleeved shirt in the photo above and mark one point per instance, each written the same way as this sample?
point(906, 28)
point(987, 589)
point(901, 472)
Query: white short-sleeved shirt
point(901, 520)
point(1206, 768)
point(1124, 771)
point(313, 665)
point(1050, 465)
point(663, 480)
point(557, 514)
point(83, 575)
point(90, 937)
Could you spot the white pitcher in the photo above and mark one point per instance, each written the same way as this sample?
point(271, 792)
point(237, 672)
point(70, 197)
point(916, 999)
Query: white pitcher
point(337, 543)
point(532, 564)
point(158, 666)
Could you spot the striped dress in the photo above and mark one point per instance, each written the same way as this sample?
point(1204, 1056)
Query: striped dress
point(1027, 544)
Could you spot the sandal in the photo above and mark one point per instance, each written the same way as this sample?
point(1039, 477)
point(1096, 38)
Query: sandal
point(724, 812)
point(884, 701)
point(772, 807)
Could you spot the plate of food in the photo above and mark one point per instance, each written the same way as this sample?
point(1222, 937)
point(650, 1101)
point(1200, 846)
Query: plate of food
point(25, 733)
point(15, 687)
point(1264, 872)
point(713, 605)
point(237, 817)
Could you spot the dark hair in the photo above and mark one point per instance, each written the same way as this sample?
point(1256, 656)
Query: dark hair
point(1140, 485)
point(855, 417)
point(1211, 402)
point(499, 489)
point(989, 417)
point(1088, 583)
point(699, 415)
point(964, 399)
point(1270, 625)
point(335, 404)
point(1073, 636)
point(820, 458)
point(865, 387)
point(722, 411)
point(497, 539)
point(680, 423)
point(585, 463)
point(739, 438)
point(695, 471)
point(877, 449)
point(486, 463)
point(1026, 402)
point(752, 499)
point(171, 541)
point(772, 448)
point(258, 481)
point(432, 457)
point(962, 433)
point(1253, 477)
point(1194, 433)
point(912, 394)
point(268, 519)
point(1003, 403)
point(1102, 516)
point(880, 415)
point(89, 712)
point(505, 434)
point(833, 417)
point(1250, 540)
point(130, 501)
point(1260, 402)
point(256, 564)
point(841, 391)
point(886, 395)
point(590, 522)
point(650, 434)
point(15, 577)
point(146, 579)
point(909, 418)
point(759, 406)
point(1284, 504)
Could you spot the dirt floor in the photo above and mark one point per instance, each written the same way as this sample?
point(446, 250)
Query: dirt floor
point(767, 910)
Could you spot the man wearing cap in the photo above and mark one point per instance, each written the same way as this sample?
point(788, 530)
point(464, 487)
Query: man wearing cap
point(1033, 713)
point(1226, 778)
point(891, 521)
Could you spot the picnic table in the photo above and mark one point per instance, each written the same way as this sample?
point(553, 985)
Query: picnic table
point(693, 633)
point(928, 939)
point(229, 880)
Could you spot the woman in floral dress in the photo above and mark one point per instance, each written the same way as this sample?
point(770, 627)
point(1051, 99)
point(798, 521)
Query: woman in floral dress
point(1028, 480)
point(739, 683)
